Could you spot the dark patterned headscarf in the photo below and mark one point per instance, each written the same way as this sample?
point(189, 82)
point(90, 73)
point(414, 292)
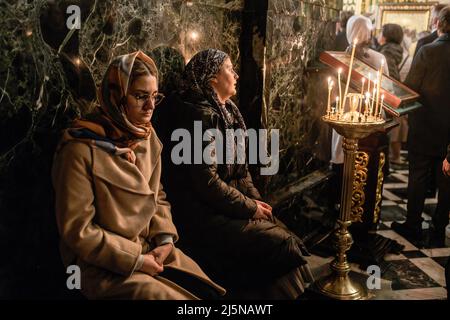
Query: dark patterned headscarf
point(199, 72)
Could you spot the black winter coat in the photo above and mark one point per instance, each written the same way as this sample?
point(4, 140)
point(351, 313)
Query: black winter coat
point(429, 127)
point(393, 53)
point(212, 207)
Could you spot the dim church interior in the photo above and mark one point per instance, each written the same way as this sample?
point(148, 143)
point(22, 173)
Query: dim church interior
point(417, 273)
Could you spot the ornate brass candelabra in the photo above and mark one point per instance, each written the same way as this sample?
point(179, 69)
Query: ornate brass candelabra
point(353, 126)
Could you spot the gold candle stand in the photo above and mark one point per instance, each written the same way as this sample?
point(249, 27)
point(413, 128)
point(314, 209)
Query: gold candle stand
point(339, 285)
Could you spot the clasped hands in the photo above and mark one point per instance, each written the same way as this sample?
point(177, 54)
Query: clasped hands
point(154, 260)
point(263, 211)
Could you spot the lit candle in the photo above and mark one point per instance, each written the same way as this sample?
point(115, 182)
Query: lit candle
point(330, 88)
point(380, 72)
point(340, 89)
point(337, 107)
point(372, 105)
point(362, 86)
point(360, 100)
point(381, 106)
point(367, 103)
point(368, 85)
point(350, 71)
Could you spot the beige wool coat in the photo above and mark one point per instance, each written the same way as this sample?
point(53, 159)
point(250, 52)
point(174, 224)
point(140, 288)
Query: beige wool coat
point(108, 212)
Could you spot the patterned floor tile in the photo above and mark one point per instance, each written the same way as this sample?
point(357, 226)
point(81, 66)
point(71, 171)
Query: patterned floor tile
point(442, 261)
point(414, 254)
point(406, 275)
point(390, 196)
point(400, 177)
point(437, 293)
point(392, 213)
point(391, 234)
point(437, 252)
point(433, 269)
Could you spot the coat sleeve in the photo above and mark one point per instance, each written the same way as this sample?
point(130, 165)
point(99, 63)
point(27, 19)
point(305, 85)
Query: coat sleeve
point(211, 189)
point(418, 46)
point(417, 72)
point(75, 214)
point(161, 223)
point(391, 64)
point(248, 188)
point(448, 153)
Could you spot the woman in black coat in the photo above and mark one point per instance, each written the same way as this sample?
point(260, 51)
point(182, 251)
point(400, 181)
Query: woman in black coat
point(390, 39)
point(218, 212)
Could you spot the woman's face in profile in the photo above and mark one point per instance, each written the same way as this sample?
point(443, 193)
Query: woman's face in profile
point(141, 99)
point(225, 81)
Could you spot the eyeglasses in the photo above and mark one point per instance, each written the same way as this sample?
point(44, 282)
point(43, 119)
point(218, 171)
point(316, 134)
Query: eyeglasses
point(156, 98)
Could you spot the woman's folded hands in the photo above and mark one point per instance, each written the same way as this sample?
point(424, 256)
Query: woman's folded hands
point(154, 260)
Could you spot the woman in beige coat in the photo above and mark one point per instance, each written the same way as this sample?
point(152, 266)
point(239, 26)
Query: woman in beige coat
point(114, 221)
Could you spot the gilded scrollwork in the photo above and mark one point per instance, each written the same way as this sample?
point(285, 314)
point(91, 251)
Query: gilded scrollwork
point(358, 196)
point(376, 213)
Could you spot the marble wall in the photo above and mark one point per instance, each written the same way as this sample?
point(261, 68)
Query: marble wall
point(297, 31)
point(41, 91)
point(187, 26)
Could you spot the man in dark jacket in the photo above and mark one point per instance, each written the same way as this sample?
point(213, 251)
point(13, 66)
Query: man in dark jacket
point(429, 132)
point(434, 35)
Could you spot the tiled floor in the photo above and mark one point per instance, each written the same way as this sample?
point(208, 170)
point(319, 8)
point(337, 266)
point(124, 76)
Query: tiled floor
point(418, 272)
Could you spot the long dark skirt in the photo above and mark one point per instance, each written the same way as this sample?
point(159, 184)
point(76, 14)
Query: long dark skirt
point(253, 254)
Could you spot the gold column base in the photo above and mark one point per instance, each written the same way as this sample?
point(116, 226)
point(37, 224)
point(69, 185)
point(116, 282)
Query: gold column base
point(341, 288)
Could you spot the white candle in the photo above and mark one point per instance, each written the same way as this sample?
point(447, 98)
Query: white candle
point(330, 87)
point(381, 106)
point(380, 72)
point(362, 85)
point(367, 102)
point(360, 100)
point(372, 105)
point(340, 89)
point(337, 106)
point(350, 71)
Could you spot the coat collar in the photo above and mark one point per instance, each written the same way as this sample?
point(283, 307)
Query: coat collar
point(444, 37)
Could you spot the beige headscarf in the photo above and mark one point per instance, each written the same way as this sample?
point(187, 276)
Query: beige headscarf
point(109, 127)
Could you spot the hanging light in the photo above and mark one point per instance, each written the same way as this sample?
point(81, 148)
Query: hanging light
point(193, 35)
